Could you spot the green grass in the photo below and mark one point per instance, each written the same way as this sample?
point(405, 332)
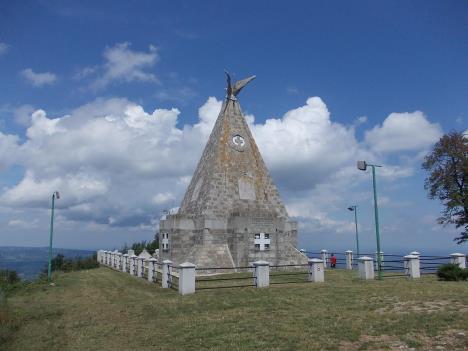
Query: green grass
point(101, 309)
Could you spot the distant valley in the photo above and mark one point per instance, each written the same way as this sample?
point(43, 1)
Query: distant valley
point(30, 261)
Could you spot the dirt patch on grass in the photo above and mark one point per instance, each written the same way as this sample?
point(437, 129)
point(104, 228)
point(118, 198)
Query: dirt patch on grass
point(424, 307)
point(452, 339)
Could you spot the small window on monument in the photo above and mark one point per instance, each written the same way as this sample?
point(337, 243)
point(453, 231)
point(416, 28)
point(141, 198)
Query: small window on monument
point(267, 246)
point(257, 246)
point(257, 236)
point(267, 236)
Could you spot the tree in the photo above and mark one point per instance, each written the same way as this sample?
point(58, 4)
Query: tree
point(138, 247)
point(447, 165)
point(152, 246)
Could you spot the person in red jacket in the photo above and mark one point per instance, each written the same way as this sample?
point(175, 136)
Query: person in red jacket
point(333, 261)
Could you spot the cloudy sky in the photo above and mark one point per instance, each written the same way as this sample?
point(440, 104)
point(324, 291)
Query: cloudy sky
point(112, 104)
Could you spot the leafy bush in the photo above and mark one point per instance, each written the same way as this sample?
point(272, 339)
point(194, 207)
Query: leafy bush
point(452, 272)
point(9, 281)
point(57, 262)
point(8, 277)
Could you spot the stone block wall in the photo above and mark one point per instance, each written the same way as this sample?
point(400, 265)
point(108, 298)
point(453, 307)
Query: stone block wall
point(212, 242)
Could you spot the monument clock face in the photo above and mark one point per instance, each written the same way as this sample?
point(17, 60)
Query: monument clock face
point(237, 142)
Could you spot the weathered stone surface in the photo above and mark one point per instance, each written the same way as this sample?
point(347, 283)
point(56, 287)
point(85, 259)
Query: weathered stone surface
point(231, 199)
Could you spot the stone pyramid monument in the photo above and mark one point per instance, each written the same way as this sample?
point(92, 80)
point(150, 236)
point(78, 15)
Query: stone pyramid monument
point(231, 214)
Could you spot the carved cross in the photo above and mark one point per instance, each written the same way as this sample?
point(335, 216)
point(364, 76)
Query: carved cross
point(263, 240)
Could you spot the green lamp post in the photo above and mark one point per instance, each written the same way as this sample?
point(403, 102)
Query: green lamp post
point(353, 208)
point(362, 165)
point(55, 195)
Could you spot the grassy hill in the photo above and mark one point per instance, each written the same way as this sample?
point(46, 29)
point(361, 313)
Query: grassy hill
point(102, 309)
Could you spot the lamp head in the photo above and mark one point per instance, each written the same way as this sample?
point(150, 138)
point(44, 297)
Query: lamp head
point(362, 165)
point(57, 195)
point(351, 208)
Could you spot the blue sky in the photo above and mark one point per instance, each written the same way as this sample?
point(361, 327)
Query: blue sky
point(67, 69)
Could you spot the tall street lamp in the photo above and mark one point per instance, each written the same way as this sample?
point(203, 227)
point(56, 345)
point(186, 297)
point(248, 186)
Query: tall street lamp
point(362, 165)
point(353, 208)
point(51, 234)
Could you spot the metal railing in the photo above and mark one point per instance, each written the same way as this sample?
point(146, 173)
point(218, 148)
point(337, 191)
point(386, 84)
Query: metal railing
point(430, 264)
point(170, 277)
point(280, 275)
point(205, 282)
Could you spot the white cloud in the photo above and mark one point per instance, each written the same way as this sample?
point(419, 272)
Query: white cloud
point(112, 161)
point(208, 113)
point(403, 132)
point(31, 192)
point(304, 147)
point(117, 165)
point(23, 224)
point(163, 198)
point(38, 79)
point(85, 72)
point(360, 120)
point(22, 114)
point(3, 48)
point(123, 65)
point(8, 150)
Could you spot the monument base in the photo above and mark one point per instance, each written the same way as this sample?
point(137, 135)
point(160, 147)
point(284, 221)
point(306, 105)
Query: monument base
point(238, 240)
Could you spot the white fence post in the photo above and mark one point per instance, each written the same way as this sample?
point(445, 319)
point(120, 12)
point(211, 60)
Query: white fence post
point(324, 255)
point(349, 259)
point(458, 258)
point(151, 269)
point(316, 270)
point(261, 274)
point(119, 261)
point(116, 260)
point(132, 264)
point(186, 278)
point(412, 266)
point(140, 267)
point(124, 263)
point(166, 280)
point(366, 268)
